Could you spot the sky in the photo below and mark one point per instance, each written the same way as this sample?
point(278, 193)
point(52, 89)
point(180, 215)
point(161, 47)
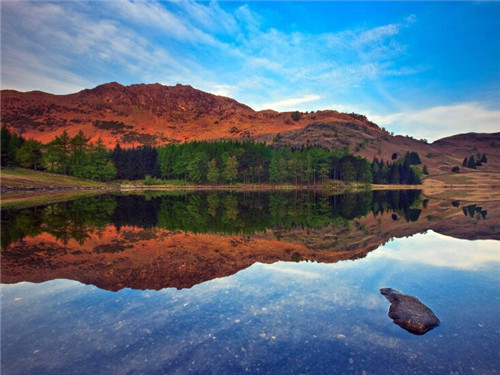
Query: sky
point(424, 69)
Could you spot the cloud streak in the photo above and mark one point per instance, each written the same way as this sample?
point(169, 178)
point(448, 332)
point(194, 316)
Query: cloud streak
point(186, 41)
point(442, 121)
point(291, 103)
point(238, 50)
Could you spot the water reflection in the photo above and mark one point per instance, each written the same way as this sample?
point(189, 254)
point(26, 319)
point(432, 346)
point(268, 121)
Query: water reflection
point(223, 213)
point(461, 255)
point(160, 240)
point(283, 318)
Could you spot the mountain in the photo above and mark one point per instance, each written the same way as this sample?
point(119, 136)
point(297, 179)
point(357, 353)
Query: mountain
point(154, 114)
point(147, 114)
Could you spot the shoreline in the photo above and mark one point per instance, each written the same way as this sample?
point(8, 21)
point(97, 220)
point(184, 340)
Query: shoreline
point(222, 187)
point(24, 188)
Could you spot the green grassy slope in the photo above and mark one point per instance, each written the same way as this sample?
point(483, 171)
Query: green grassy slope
point(25, 178)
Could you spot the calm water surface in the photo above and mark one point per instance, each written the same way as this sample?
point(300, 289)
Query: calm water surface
point(278, 284)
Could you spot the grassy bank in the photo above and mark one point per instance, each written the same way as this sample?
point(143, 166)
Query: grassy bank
point(27, 179)
point(329, 186)
point(18, 180)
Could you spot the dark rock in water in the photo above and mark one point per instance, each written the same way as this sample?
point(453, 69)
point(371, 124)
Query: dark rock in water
point(409, 313)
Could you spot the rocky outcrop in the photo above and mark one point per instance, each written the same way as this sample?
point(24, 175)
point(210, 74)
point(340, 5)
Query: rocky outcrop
point(409, 313)
point(151, 114)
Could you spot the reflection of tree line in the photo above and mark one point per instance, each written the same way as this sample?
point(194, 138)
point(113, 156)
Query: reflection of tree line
point(473, 209)
point(219, 212)
point(66, 220)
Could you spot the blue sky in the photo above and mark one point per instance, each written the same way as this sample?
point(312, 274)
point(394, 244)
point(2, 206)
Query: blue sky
point(426, 69)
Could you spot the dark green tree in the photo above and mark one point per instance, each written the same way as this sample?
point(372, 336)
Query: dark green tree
point(413, 158)
point(213, 173)
point(230, 172)
point(78, 154)
point(11, 142)
point(472, 162)
point(348, 172)
point(296, 116)
point(57, 155)
point(29, 155)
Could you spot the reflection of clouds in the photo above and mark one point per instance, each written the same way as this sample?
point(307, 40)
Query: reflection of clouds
point(244, 321)
point(45, 288)
point(375, 337)
point(441, 251)
point(220, 283)
point(290, 270)
point(304, 277)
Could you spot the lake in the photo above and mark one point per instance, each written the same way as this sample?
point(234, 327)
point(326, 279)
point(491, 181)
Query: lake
point(257, 283)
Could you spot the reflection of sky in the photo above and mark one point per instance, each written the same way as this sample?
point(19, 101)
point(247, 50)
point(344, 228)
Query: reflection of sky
point(283, 318)
point(428, 249)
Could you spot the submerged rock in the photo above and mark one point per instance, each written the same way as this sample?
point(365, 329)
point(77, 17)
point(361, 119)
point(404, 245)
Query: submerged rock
point(409, 313)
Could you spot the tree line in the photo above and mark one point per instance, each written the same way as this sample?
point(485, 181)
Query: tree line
point(204, 162)
point(251, 162)
point(74, 156)
point(402, 171)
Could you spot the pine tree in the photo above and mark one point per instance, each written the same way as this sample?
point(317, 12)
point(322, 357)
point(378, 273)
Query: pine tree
point(213, 172)
point(108, 173)
point(78, 149)
point(365, 174)
point(295, 166)
point(274, 173)
point(230, 172)
point(394, 177)
point(413, 158)
point(283, 170)
point(309, 169)
point(471, 163)
point(194, 168)
point(57, 155)
point(29, 155)
point(11, 142)
point(347, 170)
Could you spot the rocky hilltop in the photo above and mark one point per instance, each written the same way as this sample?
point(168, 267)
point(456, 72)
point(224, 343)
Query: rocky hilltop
point(148, 115)
point(154, 114)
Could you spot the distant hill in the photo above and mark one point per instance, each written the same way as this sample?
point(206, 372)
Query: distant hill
point(155, 114)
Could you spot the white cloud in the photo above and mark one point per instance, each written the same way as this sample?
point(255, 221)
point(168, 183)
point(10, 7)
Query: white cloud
point(223, 90)
point(291, 103)
point(65, 44)
point(376, 34)
point(75, 44)
point(290, 270)
point(441, 121)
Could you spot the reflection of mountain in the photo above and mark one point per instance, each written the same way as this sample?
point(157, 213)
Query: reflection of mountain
point(371, 230)
point(148, 258)
point(85, 246)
